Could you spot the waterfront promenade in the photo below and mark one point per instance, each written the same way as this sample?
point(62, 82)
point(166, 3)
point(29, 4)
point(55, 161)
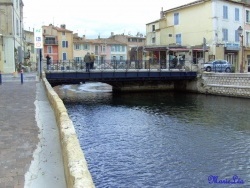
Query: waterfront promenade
point(30, 153)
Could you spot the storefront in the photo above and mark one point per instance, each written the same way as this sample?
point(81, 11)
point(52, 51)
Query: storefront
point(232, 51)
point(156, 56)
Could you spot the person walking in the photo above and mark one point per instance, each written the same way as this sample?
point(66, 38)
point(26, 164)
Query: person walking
point(48, 61)
point(87, 60)
point(92, 57)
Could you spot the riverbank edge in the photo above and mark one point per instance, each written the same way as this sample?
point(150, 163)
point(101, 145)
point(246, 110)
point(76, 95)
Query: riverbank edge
point(223, 84)
point(75, 166)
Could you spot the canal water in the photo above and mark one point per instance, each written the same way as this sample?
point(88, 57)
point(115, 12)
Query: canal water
point(145, 140)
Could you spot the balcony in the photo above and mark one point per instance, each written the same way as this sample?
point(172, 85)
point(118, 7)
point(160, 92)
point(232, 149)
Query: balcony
point(50, 42)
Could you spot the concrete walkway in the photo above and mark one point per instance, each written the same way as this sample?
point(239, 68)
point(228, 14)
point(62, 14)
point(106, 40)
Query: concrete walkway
point(30, 153)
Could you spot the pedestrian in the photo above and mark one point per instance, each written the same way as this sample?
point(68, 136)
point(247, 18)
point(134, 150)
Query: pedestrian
point(48, 61)
point(87, 60)
point(182, 61)
point(174, 61)
point(92, 57)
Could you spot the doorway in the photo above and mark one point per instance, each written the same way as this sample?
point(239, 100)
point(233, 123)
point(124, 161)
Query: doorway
point(231, 58)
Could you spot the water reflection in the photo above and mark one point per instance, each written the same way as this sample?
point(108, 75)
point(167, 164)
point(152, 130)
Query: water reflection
point(160, 139)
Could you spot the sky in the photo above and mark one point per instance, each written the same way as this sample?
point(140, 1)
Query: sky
point(94, 18)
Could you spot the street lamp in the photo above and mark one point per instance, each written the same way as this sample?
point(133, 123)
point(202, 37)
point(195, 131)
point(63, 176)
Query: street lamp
point(240, 32)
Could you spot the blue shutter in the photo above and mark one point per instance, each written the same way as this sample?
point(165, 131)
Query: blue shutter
point(225, 12)
point(237, 37)
point(176, 18)
point(237, 14)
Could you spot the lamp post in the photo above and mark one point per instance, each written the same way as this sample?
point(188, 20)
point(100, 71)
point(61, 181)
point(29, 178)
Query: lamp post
point(240, 32)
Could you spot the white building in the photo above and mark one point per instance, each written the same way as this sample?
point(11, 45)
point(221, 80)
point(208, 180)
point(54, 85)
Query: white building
point(11, 35)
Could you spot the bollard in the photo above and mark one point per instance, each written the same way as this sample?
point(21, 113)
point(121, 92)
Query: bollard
point(21, 76)
point(0, 78)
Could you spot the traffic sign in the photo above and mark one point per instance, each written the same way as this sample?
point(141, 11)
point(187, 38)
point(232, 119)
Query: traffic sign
point(38, 38)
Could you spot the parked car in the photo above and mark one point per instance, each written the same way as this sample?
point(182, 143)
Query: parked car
point(218, 66)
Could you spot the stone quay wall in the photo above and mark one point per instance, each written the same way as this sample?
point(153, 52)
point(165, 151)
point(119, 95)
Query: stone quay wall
point(75, 166)
point(224, 84)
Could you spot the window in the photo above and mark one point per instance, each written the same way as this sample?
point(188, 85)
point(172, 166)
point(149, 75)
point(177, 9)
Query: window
point(85, 47)
point(96, 50)
point(32, 48)
point(153, 40)
point(49, 49)
point(225, 35)
point(153, 27)
point(103, 48)
point(65, 44)
point(121, 58)
point(237, 36)
point(63, 33)
point(17, 27)
point(178, 38)
point(118, 48)
point(64, 56)
point(50, 40)
point(77, 59)
point(248, 38)
point(77, 46)
point(247, 16)
point(176, 18)
point(237, 14)
point(248, 60)
point(17, 4)
point(225, 12)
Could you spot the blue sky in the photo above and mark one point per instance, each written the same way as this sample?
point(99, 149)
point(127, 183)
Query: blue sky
point(96, 17)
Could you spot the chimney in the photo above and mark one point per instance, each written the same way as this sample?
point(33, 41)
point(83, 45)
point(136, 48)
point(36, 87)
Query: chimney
point(112, 34)
point(161, 13)
point(63, 26)
point(83, 37)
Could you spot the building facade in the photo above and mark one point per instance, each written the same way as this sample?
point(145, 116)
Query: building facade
point(30, 53)
point(104, 49)
point(201, 31)
point(58, 43)
point(134, 44)
point(11, 35)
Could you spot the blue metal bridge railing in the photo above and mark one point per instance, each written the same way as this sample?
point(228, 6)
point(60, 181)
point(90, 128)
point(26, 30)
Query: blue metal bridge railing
point(123, 65)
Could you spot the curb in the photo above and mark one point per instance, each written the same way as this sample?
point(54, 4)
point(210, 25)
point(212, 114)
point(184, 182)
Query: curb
point(75, 166)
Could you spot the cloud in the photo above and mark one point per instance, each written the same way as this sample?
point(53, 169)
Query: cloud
point(95, 17)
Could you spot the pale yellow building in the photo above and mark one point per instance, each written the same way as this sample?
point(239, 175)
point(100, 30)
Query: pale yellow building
point(65, 39)
point(199, 31)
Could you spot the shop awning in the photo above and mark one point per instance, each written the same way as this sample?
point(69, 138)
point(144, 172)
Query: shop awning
point(199, 49)
point(179, 49)
point(156, 48)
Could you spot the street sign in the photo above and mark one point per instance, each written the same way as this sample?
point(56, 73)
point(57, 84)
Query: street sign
point(38, 38)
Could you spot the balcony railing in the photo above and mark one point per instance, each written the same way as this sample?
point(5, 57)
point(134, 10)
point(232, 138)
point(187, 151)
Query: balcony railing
point(51, 42)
